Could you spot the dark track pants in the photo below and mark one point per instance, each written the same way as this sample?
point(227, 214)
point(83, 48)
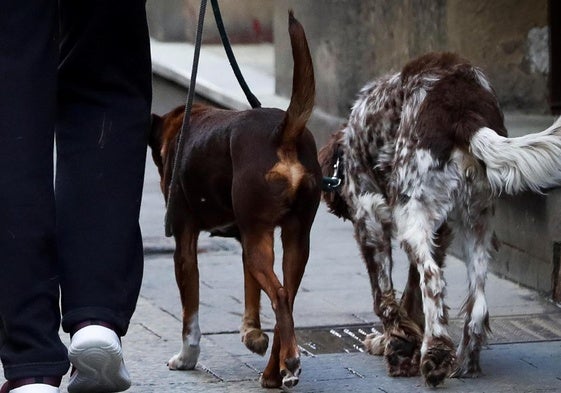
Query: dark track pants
point(78, 73)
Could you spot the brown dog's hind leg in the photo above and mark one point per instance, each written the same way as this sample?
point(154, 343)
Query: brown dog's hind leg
point(296, 249)
point(259, 258)
point(187, 277)
point(271, 377)
point(283, 368)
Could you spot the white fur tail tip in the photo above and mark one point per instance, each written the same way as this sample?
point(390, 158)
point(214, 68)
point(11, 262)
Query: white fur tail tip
point(530, 162)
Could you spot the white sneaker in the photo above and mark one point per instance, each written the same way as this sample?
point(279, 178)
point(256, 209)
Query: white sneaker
point(36, 388)
point(96, 354)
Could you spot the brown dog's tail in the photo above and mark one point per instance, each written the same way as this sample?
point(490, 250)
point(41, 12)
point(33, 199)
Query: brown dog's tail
point(303, 84)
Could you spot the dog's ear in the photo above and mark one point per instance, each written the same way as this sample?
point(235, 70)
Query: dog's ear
point(155, 136)
point(327, 157)
point(155, 140)
point(327, 153)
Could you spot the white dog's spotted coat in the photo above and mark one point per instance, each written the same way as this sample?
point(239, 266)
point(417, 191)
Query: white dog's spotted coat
point(424, 150)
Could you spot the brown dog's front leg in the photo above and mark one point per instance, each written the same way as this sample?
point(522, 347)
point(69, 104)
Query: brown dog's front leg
point(187, 277)
point(283, 368)
point(271, 377)
point(252, 336)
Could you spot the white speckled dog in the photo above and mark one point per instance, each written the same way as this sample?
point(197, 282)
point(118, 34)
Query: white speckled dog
point(426, 151)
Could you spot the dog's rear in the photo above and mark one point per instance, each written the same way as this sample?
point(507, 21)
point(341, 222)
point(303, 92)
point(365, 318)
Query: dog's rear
point(278, 185)
point(243, 174)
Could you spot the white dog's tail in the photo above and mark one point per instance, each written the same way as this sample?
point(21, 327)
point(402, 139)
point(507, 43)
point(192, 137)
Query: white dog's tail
point(530, 162)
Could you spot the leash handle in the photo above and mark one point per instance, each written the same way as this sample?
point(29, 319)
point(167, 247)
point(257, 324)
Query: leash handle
point(186, 117)
point(253, 101)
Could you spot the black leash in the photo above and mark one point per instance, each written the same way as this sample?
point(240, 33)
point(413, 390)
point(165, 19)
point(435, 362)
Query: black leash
point(253, 101)
point(185, 125)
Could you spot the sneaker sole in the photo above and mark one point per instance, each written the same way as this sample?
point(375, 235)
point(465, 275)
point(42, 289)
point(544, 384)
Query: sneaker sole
point(99, 368)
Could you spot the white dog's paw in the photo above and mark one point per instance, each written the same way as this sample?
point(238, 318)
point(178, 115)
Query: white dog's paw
point(375, 343)
point(186, 359)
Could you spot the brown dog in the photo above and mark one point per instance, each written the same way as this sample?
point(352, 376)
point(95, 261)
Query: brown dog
point(242, 174)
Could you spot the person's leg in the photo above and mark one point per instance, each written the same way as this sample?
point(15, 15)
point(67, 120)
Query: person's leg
point(102, 131)
point(29, 286)
point(101, 136)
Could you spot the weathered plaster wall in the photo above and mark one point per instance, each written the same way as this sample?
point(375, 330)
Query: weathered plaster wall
point(353, 41)
point(246, 21)
point(509, 40)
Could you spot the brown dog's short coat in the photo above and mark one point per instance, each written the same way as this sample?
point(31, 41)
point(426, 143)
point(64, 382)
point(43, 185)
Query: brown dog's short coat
point(242, 174)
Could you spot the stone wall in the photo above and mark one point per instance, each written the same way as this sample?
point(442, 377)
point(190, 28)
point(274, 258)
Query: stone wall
point(246, 21)
point(528, 228)
point(353, 41)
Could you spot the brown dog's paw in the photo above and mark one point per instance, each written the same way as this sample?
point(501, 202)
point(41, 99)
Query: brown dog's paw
point(438, 361)
point(285, 378)
point(289, 380)
point(290, 375)
point(270, 381)
point(256, 341)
